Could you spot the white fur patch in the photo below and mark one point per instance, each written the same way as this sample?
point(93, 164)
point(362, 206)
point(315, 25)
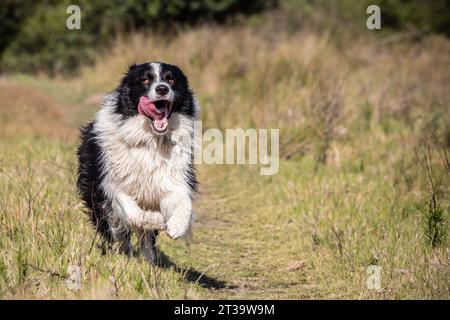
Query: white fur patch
point(152, 94)
point(156, 70)
point(144, 174)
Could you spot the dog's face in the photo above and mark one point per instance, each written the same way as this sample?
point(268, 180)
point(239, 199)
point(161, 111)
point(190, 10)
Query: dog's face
point(155, 90)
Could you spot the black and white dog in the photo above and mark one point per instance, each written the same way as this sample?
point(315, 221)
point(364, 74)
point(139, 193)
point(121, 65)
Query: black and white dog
point(136, 168)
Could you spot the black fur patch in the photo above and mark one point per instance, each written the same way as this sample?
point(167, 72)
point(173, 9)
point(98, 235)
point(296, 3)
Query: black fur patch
point(89, 179)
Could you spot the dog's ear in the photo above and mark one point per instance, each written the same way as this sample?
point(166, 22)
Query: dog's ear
point(126, 76)
point(131, 67)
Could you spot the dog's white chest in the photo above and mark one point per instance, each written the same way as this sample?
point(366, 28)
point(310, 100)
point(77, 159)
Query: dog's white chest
point(146, 174)
point(140, 165)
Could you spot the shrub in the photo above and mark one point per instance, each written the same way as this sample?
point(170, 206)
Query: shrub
point(35, 37)
point(436, 209)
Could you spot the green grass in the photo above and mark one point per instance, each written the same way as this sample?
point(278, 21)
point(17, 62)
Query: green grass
point(310, 231)
point(298, 234)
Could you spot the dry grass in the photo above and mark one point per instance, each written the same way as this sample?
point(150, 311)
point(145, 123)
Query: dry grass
point(350, 192)
point(28, 111)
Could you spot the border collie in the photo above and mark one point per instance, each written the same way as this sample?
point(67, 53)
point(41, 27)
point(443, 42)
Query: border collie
point(136, 168)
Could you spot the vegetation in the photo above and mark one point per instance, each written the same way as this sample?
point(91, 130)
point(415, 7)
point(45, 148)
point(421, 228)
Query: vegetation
point(34, 37)
point(363, 180)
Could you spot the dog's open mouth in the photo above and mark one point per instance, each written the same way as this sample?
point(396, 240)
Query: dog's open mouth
point(158, 112)
point(160, 122)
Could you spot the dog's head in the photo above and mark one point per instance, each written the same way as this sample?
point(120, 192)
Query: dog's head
point(155, 90)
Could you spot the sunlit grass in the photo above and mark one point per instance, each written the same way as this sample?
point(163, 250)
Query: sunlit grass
point(350, 192)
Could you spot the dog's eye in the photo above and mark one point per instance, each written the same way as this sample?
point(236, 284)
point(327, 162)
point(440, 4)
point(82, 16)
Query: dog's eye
point(171, 81)
point(146, 82)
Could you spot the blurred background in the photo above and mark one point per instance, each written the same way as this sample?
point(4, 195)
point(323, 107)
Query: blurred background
point(35, 40)
point(364, 146)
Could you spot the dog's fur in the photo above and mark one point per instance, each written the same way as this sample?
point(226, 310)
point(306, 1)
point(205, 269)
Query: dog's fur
point(132, 177)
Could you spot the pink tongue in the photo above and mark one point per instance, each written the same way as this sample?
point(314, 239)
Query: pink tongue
point(148, 108)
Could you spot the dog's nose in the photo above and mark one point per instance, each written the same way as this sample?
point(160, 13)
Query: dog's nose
point(162, 89)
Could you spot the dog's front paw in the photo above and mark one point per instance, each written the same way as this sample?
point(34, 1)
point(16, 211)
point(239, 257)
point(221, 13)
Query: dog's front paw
point(175, 229)
point(153, 220)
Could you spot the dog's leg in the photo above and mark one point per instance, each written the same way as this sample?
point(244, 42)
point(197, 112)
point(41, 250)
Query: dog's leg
point(177, 208)
point(122, 235)
point(147, 241)
point(129, 213)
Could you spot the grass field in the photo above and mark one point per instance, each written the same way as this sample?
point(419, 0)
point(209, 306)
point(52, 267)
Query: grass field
point(364, 172)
